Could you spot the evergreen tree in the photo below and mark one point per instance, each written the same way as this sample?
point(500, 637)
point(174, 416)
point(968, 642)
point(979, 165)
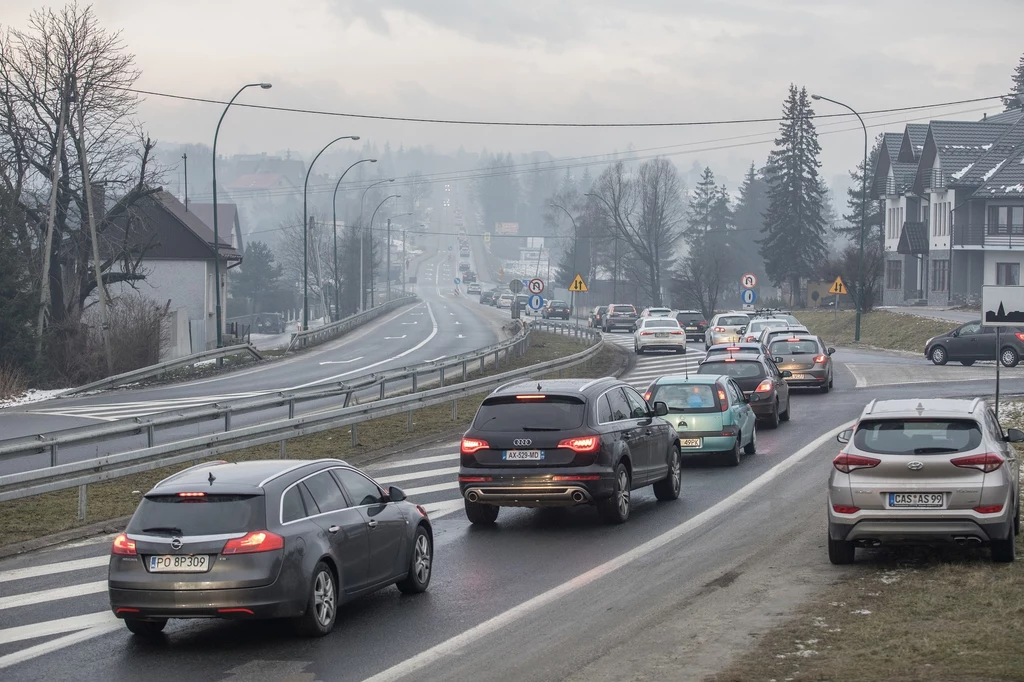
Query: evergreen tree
point(258, 274)
point(721, 210)
point(1018, 87)
point(701, 209)
point(794, 224)
point(586, 182)
point(854, 196)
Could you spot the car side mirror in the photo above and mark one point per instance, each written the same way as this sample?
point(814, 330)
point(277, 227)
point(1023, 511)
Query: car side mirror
point(395, 494)
point(845, 436)
point(1014, 436)
point(831, 351)
point(741, 331)
point(660, 409)
point(778, 358)
point(955, 333)
point(786, 374)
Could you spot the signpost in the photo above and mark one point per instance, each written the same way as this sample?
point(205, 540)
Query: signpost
point(536, 285)
point(1001, 306)
point(837, 288)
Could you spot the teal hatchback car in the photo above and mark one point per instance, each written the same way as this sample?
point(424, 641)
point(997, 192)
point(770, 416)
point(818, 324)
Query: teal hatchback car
point(709, 414)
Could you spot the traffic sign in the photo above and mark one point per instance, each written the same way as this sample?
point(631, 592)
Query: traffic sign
point(536, 285)
point(748, 296)
point(458, 281)
point(838, 287)
point(578, 284)
point(749, 280)
point(515, 286)
point(536, 301)
point(487, 236)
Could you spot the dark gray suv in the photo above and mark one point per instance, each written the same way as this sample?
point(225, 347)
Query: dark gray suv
point(265, 539)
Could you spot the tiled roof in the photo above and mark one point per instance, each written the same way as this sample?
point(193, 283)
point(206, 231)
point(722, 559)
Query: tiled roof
point(1010, 117)
point(1008, 147)
point(913, 239)
point(192, 222)
point(1008, 181)
point(904, 175)
point(891, 143)
point(916, 134)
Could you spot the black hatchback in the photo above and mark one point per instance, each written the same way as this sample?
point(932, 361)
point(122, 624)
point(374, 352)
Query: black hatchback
point(763, 384)
point(567, 442)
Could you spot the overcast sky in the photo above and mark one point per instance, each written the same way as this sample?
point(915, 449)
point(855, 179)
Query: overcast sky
point(557, 60)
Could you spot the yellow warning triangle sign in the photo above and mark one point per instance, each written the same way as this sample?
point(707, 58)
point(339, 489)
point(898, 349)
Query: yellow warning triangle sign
point(838, 287)
point(578, 284)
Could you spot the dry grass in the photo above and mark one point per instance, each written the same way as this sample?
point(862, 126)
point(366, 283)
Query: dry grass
point(12, 381)
point(34, 517)
point(879, 328)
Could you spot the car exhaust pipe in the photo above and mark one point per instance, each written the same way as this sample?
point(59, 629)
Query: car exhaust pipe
point(578, 497)
point(960, 540)
point(472, 496)
point(975, 541)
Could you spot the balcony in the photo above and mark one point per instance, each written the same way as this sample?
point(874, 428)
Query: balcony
point(1006, 236)
point(935, 180)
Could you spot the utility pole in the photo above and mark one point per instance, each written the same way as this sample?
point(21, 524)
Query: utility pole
point(44, 288)
point(405, 258)
point(388, 248)
point(184, 159)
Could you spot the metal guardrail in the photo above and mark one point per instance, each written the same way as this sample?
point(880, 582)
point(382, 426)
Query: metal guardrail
point(311, 337)
point(114, 465)
point(164, 367)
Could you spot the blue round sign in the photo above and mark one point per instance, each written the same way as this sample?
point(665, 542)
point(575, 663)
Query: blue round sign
point(458, 281)
point(536, 302)
point(748, 296)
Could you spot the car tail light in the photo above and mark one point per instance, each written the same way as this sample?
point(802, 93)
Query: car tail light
point(732, 348)
point(989, 509)
point(586, 477)
point(847, 463)
point(676, 333)
point(422, 510)
point(647, 396)
point(531, 396)
point(123, 546)
point(582, 444)
point(256, 541)
point(723, 401)
point(191, 494)
point(729, 360)
point(719, 329)
point(820, 359)
point(125, 609)
point(471, 445)
point(988, 462)
point(475, 479)
point(749, 339)
point(844, 509)
point(1019, 335)
point(765, 386)
point(237, 609)
point(646, 333)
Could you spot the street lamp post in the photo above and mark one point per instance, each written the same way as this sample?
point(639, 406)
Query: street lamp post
point(305, 232)
point(863, 213)
point(374, 215)
point(362, 238)
point(571, 293)
point(334, 208)
point(216, 230)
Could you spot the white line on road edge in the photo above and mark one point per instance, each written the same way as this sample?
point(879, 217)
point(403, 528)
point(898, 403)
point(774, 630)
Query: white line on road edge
point(342, 362)
point(50, 569)
point(41, 596)
point(53, 645)
point(861, 381)
point(427, 489)
point(453, 645)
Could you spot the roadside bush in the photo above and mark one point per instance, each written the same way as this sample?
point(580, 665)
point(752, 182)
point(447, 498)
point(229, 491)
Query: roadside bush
point(12, 381)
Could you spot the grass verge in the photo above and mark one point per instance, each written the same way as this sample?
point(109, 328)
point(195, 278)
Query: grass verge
point(41, 515)
point(878, 328)
point(909, 614)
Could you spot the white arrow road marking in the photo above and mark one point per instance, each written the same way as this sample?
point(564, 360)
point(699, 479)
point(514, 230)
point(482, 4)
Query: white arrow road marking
point(386, 338)
point(340, 362)
point(50, 569)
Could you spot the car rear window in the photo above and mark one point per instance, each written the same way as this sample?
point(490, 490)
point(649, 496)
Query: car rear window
point(550, 413)
point(788, 347)
point(737, 369)
point(628, 309)
point(660, 322)
point(206, 515)
point(917, 436)
point(558, 304)
point(687, 398)
point(659, 311)
point(690, 318)
point(733, 321)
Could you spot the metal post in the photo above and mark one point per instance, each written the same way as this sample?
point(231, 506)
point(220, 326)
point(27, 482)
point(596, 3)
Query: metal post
point(999, 361)
point(291, 409)
point(83, 502)
point(465, 370)
point(388, 277)
point(415, 376)
point(53, 454)
point(441, 375)
point(283, 453)
point(334, 207)
point(382, 382)
point(355, 435)
point(455, 409)
point(227, 422)
point(150, 435)
point(362, 237)
point(408, 425)
point(372, 216)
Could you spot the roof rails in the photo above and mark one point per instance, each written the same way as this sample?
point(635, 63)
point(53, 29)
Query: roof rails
point(186, 470)
point(974, 405)
point(299, 465)
point(871, 406)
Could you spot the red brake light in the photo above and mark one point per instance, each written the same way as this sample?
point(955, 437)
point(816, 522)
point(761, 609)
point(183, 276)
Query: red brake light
point(820, 359)
point(676, 333)
point(647, 396)
point(255, 541)
point(584, 477)
point(988, 462)
point(844, 509)
point(723, 402)
point(719, 329)
point(191, 494)
point(475, 479)
point(1019, 335)
point(123, 546)
point(989, 509)
point(749, 339)
point(847, 463)
point(584, 444)
point(471, 445)
point(765, 386)
point(531, 397)
point(730, 348)
point(646, 333)
point(729, 360)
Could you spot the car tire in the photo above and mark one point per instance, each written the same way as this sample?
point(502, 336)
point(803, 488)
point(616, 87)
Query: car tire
point(682, 351)
point(826, 386)
point(1009, 357)
point(784, 416)
point(732, 457)
point(939, 355)
point(667, 489)
point(831, 380)
point(1016, 521)
point(420, 563)
point(481, 514)
point(751, 447)
point(322, 606)
point(1004, 551)
point(967, 363)
point(615, 509)
point(773, 420)
point(841, 552)
point(639, 350)
point(145, 628)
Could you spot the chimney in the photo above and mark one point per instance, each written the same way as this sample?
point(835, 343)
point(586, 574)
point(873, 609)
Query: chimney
point(984, 117)
point(99, 198)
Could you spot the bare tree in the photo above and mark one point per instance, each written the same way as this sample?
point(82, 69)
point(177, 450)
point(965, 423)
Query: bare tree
point(646, 209)
point(416, 189)
point(702, 274)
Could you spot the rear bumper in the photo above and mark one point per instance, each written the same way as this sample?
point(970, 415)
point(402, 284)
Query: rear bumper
point(715, 443)
point(270, 601)
point(817, 377)
point(679, 343)
point(537, 490)
point(619, 323)
point(924, 531)
point(763, 408)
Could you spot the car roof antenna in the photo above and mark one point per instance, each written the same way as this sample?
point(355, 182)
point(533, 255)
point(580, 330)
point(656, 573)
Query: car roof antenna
point(211, 478)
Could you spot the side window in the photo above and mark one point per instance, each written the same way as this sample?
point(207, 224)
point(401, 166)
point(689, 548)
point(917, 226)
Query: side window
point(638, 408)
point(994, 424)
point(619, 406)
point(735, 394)
point(362, 490)
point(307, 499)
point(292, 508)
point(970, 329)
point(325, 492)
point(604, 410)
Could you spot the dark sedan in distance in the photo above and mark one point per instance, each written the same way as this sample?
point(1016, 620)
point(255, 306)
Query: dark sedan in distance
point(265, 539)
point(971, 342)
point(555, 309)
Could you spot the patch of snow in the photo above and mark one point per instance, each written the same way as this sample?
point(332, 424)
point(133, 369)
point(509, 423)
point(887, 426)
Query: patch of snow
point(986, 147)
point(960, 173)
point(861, 612)
point(806, 653)
point(1018, 188)
point(992, 172)
point(203, 363)
point(32, 395)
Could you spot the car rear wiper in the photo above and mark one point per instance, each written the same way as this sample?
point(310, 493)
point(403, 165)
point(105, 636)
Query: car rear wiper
point(170, 530)
point(934, 450)
point(541, 428)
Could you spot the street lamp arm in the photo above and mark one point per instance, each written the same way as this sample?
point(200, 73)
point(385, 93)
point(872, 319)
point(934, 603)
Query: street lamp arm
point(338, 184)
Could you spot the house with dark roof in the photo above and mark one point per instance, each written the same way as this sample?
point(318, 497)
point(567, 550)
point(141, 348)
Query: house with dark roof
point(954, 209)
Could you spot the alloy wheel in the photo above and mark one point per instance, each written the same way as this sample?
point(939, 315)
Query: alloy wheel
point(623, 493)
point(323, 598)
point(421, 559)
point(677, 470)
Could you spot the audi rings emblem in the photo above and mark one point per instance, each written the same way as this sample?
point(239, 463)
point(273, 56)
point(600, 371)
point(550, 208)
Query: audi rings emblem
point(522, 442)
point(915, 465)
point(175, 543)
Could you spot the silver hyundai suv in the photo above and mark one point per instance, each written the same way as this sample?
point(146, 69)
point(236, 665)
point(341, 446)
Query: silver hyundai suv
point(925, 471)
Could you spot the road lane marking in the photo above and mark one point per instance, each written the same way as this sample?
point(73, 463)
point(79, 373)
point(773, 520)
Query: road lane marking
point(29, 598)
point(454, 645)
point(861, 381)
point(419, 460)
point(56, 644)
point(340, 362)
point(436, 510)
point(413, 322)
point(392, 338)
point(55, 627)
point(429, 473)
point(51, 569)
point(427, 489)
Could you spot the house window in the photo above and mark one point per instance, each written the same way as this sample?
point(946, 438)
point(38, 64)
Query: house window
point(893, 274)
point(1006, 220)
point(1008, 274)
point(940, 275)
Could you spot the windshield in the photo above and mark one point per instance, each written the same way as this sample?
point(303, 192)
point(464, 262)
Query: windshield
point(917, 436)
point(788, 347)
point(550, 413)
point(627, 309)
point(207, 515)
point(732, 321)
point(687, 397)
point(737, 369)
